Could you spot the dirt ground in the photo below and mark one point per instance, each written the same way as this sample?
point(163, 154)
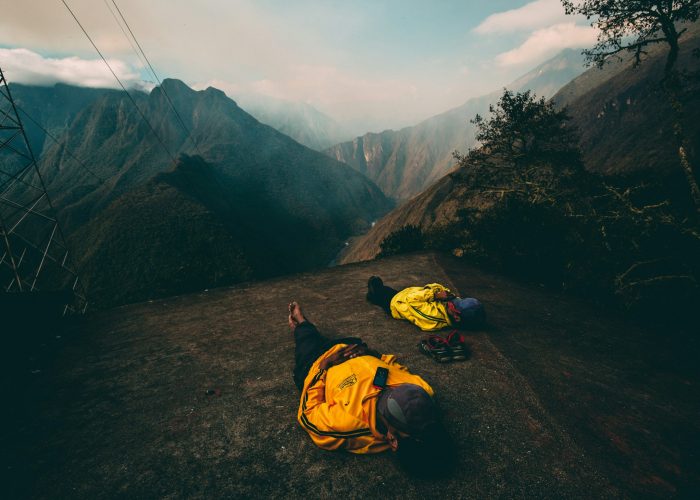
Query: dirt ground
point(193, 397)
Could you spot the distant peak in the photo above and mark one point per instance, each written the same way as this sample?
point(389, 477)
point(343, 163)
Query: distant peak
point(175, 85)
point(215, 91)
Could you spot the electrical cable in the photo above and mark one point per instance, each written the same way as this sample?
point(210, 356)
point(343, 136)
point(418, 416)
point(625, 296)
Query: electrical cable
point(133, 47)
point(61, 236)
point(172, 157)
point(81, 162)
point(153, 71)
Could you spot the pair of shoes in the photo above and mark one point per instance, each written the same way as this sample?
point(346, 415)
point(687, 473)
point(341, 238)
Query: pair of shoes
point(443, 350)
point(437, 348)
point(460, 351)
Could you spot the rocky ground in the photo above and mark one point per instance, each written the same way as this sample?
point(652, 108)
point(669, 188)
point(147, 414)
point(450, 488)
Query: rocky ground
point(193, 397)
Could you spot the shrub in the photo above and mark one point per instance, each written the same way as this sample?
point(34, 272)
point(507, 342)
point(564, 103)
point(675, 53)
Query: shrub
point(407, 239)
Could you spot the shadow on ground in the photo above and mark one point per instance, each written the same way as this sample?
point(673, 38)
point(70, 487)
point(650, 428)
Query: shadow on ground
point(193, 397)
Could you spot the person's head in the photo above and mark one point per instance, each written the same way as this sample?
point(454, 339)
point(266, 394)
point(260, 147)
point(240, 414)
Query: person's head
point(466, 313)
point(405, 410)
point(409, 419)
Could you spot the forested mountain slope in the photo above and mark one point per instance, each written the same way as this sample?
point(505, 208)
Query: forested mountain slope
point(624, 116)
point(260, 202)
point(625, 124)
point(405, 162)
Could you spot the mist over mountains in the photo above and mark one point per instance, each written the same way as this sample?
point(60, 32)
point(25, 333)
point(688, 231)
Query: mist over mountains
point(236, 199)
point(626, 132)
point(405, 162)
point(252, 202)
point(300, 121)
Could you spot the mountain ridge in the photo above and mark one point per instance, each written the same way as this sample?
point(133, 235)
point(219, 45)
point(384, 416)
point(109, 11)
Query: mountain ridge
point(404, 162)
point(437, 204)
point(249, 188)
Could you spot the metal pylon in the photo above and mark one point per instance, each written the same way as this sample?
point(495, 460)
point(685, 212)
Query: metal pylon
point(33, 252)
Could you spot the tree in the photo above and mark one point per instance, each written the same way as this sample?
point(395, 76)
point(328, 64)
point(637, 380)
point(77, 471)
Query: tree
point(522, 128)
point(633, 25)
point(408, 238)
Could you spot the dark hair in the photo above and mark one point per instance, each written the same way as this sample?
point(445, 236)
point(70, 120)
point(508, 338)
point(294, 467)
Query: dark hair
point(432, 454)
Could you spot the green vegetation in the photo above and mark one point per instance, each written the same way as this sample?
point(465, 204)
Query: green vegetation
point(252, 204)
point(194, 228)
point(407, 239)
point(542, 217)
point(522, 129)
point(405, 162)
point(633, 26)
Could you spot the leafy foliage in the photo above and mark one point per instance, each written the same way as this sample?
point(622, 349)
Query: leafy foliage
point(632, 25)
point(647, 22)
point(407, 239)
point(524, 127)
point(544, 218)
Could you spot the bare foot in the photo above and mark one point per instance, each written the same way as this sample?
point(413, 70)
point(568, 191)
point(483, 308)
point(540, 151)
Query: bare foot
point(295, 314)
point(292, 322)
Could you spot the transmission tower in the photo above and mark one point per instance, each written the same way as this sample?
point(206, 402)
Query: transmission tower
point(33, 252)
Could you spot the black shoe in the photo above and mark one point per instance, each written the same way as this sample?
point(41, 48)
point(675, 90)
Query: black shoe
point(375, 280)
point(374, 287)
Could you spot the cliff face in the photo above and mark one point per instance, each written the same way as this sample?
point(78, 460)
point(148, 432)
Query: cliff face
point(405, 162)
point(624, 116)
point(625, 124)
point(435, 206)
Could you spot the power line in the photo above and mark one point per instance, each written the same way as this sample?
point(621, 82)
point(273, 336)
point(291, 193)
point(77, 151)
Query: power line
point(133, 47)
point(121, 84)
point(172, 106)
point(81, 162)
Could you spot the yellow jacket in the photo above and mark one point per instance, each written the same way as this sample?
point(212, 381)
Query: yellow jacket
point(338, 405)
point(418, 305)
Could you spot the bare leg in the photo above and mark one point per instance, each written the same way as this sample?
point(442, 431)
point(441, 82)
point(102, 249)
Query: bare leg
point(309, 343)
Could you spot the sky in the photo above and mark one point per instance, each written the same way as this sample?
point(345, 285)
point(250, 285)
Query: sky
point(369, 64)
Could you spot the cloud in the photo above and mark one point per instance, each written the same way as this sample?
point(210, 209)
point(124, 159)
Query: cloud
point(330, 54)
point(49, 26)
point(25, 66)
point(337, 92)
point(546, 42)
point(230, 89)
point(534, 15)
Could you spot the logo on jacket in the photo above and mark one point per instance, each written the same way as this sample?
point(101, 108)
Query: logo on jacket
point(351, 380)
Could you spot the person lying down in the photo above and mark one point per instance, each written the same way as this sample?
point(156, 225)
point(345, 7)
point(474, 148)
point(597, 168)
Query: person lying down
point(430, 307)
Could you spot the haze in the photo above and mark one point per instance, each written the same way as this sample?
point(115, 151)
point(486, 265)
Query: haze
point(370, 65)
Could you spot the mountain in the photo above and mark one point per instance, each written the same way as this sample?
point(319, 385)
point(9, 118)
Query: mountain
point(404, 162)
point(300, 121)
point(624, 117)
point(244, 202)
point(625, 125)
point(53, 107)
point(192, 228)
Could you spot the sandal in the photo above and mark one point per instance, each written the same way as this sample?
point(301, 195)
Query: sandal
point(455, 341)
point(437, 348)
